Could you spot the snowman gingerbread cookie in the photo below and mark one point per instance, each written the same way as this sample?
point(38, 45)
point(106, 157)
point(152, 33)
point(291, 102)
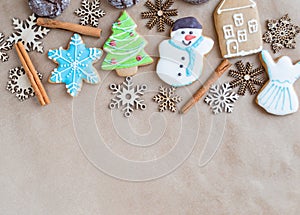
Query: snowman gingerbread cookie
point(182, 56)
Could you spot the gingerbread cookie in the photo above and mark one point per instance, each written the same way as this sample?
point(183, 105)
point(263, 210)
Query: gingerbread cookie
point(48, 8)
point(278, 96)
point(238, 26)
point(125, 48)
point(182, 56)
point(75, 65)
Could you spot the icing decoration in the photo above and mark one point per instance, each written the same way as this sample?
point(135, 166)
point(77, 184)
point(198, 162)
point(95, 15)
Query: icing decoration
point(128, 97)
point(90, 12)
point(246, 78)
point(281, 33)
point(19, 84)
point(235, 5)
point(125, 48)
point(181, 57)
point(29, 33)
point(278, 96)
point(4, 46)
point(167, 99)
point(75, 65)
point(159, 14)
point(238, 28)
point(221, 98)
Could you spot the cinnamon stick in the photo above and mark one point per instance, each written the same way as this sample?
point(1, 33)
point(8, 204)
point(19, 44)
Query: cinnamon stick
point(32, 75)
point(85, 30)
point(222, 68)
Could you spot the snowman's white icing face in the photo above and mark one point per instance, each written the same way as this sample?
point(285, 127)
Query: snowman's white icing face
point(186, 36)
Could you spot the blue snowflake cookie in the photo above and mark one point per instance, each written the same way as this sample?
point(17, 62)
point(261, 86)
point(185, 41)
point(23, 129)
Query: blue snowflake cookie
point(75, 65)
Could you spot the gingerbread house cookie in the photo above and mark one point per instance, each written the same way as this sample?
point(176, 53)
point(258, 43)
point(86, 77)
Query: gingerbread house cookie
point(238, 27)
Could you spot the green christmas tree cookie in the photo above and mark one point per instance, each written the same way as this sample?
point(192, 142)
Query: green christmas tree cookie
point(125, 48)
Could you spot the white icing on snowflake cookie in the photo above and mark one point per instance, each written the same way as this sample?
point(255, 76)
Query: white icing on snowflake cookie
point(238, 26)
point(182, 56)
point(278, 96)
point(75, 65)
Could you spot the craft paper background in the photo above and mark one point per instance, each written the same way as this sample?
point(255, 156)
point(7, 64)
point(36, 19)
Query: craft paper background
point(43, 169)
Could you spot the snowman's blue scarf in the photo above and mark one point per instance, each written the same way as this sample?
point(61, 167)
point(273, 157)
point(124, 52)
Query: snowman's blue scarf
point(191, 53)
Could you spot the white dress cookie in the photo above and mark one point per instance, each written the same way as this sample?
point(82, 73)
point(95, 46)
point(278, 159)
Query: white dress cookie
point(278, 96)
point(181, 57)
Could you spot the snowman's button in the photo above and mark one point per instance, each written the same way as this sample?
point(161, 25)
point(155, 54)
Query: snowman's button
point(179, 74)
point(181, 66)
point(182, 58)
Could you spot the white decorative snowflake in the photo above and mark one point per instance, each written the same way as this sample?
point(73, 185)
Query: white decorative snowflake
point(29, 33)
point(221, 98)
point(5, 46)
point(128, 97)
point(167, 99)
point(19, 84)
point(90, 12)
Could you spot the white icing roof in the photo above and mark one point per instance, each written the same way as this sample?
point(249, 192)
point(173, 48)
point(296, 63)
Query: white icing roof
point(231, 5)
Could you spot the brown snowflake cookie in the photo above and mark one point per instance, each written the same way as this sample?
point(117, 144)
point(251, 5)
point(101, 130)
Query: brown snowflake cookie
point(281, 33)
point(159, 14)
point(167, 99)
point(238, 26)
point(121, 4)
point(196, 1)
point(48, 8)
point(246, 78)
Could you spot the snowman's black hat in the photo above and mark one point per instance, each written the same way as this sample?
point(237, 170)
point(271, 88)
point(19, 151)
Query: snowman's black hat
point(187, 22)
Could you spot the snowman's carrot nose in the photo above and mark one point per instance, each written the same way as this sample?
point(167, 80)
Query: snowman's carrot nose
point(189, 37)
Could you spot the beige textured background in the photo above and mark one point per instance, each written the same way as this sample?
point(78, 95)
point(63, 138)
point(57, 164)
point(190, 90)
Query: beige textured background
point(44, 171)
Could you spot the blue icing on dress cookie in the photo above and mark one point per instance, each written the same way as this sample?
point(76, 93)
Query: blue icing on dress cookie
point(278, 96)
point(75, 65)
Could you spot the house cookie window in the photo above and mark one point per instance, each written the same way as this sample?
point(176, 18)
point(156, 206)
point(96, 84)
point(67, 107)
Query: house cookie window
point(238, 19)
point(242, 36)
point(253, 26)
point(228, 32)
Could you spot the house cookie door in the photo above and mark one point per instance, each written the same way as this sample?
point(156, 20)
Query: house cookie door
point(232, 48)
